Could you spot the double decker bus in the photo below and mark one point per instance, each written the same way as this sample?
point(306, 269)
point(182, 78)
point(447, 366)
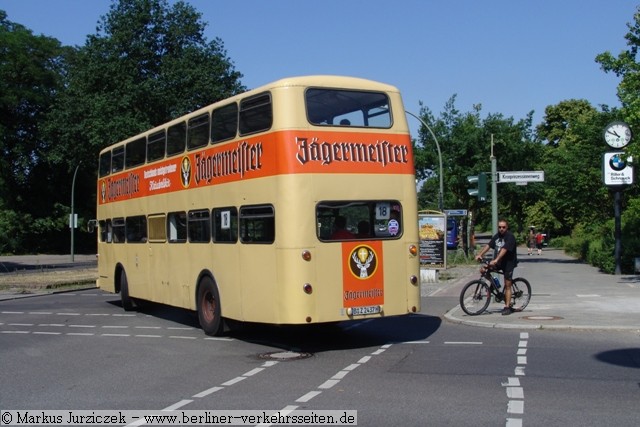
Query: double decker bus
point(293, 203)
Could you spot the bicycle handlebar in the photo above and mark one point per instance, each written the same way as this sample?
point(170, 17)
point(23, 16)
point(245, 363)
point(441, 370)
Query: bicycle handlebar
point(488, 267)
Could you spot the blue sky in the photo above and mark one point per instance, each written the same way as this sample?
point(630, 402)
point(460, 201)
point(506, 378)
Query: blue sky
point(510, 56)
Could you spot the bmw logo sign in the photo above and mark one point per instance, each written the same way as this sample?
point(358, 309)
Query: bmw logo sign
point(617, 163)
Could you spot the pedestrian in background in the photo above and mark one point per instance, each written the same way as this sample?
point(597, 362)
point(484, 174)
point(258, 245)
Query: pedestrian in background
point(531, 241)
point(539, 240)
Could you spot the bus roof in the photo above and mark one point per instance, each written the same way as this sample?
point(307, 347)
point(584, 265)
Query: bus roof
point(329, 81)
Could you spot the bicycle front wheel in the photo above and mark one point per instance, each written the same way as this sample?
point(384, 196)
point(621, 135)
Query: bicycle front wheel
point(520, 294)
point(475, 297)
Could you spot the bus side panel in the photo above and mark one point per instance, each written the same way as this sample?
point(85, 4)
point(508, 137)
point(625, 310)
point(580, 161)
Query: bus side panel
point(258, 280)
point(227, 266)
point(137, 269)
point(106, 264)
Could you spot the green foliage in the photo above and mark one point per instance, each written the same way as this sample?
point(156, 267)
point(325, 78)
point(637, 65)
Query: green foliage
point(31, 77)
point(148, 63)
point(541, 216)
point(11, 231)
point(626, 66)
point(572, 161)
point(465, 141)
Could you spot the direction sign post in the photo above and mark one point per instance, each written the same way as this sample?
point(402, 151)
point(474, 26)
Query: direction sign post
point(520, 176)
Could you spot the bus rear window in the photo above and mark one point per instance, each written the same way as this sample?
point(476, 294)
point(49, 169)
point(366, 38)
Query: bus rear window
point(358, 220)
point(341, 107)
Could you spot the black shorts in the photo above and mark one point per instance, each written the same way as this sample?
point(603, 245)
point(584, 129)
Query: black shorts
point(507, 268)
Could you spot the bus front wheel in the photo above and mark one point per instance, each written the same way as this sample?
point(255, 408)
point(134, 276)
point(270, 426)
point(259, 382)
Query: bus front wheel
point(209, 313)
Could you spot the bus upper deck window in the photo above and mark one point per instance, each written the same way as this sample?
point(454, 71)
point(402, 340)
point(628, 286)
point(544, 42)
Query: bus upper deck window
point(156, 146)
point(198, 132)
point(256, 114)
point(135, 153)
point(117, 159)
point(224, 123)
point(176, 138)
point(105, 163)
point(342, 107)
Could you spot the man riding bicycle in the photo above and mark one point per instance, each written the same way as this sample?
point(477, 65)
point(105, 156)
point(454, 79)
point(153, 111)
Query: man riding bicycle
point(505, 258)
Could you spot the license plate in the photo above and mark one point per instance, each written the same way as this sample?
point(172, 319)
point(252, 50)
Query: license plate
point(371, 309)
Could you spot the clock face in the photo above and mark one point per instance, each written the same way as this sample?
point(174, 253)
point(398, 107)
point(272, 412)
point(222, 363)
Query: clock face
point(617, 135)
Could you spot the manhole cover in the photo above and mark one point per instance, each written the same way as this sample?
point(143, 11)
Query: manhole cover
point(542, 318)
point(284, 355)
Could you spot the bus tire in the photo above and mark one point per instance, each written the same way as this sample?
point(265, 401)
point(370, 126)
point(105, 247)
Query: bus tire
point(127, 302)
point(208, 303)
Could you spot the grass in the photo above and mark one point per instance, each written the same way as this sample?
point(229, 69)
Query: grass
point(47, 280)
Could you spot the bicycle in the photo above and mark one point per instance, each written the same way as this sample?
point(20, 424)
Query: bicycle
point(476, 295)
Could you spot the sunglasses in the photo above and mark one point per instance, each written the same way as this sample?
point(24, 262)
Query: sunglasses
point(502, 228)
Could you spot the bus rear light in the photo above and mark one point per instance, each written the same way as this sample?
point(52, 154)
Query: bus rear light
point(413, 250)
point(413, 280)
point(308, 319)
point(306, 255)
point(414, 309)
point(308, 289)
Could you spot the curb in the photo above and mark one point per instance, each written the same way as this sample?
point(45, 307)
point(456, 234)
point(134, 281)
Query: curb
point(497, 325)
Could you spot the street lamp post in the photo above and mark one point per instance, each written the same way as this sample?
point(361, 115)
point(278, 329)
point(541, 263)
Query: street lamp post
point(440, 174)
point(72, 222)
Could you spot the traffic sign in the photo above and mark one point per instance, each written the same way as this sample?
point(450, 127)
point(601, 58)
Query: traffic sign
point(521, 176)
point(456, 212)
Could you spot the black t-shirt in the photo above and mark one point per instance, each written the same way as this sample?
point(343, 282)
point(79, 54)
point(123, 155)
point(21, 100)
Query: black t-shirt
point(507, 241)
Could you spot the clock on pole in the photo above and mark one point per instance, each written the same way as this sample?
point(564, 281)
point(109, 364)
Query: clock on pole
point(617, 134)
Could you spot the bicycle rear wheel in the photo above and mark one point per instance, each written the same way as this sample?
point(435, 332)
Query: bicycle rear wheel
point(475, 297)
point(520, 294)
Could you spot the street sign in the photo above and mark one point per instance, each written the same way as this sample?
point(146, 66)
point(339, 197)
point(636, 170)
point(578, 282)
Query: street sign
point(521, 176)
point(456, 212)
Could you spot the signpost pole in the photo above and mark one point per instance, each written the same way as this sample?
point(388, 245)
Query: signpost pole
point(494, 190)
point(617, 230)
point(72, 221)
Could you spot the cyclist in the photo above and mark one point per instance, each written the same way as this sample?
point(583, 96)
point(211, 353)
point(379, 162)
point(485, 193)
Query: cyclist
point(505, 258)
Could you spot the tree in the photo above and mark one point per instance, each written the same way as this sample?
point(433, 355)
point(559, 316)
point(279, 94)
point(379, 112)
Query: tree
point(626, 66)
point(574, 190)
point(30, 78)
point(148, 63)
point(465, 141)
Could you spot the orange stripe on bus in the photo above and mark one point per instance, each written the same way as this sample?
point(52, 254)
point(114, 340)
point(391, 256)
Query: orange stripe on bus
point(277, 153)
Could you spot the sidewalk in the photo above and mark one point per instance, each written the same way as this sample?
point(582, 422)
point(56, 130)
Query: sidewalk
point(566, 294)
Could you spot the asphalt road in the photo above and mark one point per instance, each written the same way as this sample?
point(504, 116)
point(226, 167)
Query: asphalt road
point(80, 350)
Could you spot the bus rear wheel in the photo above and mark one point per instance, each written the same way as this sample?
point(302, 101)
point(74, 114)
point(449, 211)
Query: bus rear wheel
point(209, 313)
point(127, 301)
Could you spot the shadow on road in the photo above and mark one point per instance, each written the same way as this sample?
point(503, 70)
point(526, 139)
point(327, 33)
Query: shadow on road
point(340, 336)
point(626, 357)
point(311, 338)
